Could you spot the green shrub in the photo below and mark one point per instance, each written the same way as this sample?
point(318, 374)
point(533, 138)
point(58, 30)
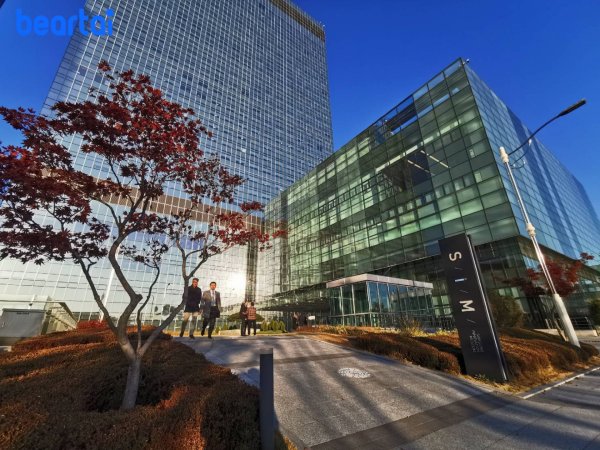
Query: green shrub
point(594, 307)
point(281, 326)
point(233, 317)
point(507, 311)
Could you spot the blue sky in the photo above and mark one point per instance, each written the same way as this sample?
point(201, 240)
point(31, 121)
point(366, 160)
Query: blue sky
point(538, 56)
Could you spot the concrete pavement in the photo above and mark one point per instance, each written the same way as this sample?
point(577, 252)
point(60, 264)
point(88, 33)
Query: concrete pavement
point(331, 397)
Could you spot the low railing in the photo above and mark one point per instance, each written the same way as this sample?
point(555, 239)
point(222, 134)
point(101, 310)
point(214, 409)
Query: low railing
point(582, 323)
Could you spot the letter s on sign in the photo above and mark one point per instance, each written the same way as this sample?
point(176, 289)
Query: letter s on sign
point(454, 256)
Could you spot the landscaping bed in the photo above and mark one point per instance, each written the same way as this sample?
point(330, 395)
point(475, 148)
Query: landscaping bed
point(533, 358)
point(63, 391)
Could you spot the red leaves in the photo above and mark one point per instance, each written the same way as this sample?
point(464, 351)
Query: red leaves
point(104, 66)
point(145, 142)
point(565, 276)
point(251, 206)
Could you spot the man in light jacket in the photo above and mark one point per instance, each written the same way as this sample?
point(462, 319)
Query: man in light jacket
point(211, 308)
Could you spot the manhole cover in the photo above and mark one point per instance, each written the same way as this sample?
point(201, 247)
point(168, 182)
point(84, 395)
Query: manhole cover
point(351, 372)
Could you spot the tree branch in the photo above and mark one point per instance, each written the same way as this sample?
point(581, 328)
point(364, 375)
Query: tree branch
point(139, 311)
point(96, 296)
point(156, 332)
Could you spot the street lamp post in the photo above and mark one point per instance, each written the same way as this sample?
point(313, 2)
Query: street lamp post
point(560, 306)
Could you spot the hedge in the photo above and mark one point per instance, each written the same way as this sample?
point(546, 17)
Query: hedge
point(532, 357)
point(63, 391)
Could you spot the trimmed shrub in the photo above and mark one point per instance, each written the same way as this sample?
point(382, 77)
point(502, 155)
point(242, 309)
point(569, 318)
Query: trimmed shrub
point(533, 357)
point(92, 324)
point(62, 391)
point(235, 317)
point(407, 349)
point(339, 329)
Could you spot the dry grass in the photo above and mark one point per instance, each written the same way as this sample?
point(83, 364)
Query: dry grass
point(533, 358)
point(63, 391)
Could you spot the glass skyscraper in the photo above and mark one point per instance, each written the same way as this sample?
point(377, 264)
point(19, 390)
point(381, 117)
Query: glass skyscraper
point(254, 71)
point(427, 169)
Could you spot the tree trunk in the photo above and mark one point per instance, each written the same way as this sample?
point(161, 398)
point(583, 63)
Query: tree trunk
point(133, 383)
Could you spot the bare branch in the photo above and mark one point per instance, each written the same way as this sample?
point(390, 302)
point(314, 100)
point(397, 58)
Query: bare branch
point(156, 332)
point(139, 311)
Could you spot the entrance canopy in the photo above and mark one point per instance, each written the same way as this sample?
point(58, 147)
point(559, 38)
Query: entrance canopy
point(375, 300)
point(325, 298)
point(378, 279)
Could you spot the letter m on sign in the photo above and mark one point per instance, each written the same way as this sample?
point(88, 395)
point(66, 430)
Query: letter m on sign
point(466, 305)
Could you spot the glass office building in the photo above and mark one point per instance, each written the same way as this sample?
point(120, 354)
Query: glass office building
point(254, 71)
point(427, 169)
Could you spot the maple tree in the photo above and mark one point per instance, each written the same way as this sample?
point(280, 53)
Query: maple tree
point(565, 276)
point(52, 210)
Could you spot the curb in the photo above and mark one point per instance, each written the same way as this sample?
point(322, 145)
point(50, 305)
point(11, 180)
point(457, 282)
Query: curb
point(547, 387)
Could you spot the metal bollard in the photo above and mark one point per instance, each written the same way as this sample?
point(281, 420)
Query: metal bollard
point(267, 400)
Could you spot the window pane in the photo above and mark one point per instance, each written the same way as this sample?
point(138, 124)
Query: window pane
point(347, 299)
point(361, 300)
point(383, 297)
point(373, 297)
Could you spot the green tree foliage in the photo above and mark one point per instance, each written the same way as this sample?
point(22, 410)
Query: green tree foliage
point(506, 310)
point(235, 317)
point(594, 307)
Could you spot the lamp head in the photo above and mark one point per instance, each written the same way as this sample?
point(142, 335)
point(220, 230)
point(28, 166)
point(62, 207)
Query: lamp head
point(573, 107)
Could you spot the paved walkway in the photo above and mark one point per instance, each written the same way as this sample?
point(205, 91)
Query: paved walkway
point(400, 406)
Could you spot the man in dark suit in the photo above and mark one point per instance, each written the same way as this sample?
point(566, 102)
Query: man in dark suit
point(211, 308)
point(192, 308)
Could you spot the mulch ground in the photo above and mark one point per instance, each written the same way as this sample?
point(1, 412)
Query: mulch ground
point(533, 358)
point(63, 391)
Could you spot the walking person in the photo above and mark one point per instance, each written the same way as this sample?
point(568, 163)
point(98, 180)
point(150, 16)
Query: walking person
point(251, 318)
point(192, 308)
point(211, 308)
point(244, 317)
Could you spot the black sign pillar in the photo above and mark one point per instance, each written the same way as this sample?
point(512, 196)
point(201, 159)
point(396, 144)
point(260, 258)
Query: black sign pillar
point(478, 338)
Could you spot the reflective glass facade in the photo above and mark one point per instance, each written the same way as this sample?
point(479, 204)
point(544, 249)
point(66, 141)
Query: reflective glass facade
point(254, 71)
point(556, 201)
point(369, 300)
point(425, 170)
